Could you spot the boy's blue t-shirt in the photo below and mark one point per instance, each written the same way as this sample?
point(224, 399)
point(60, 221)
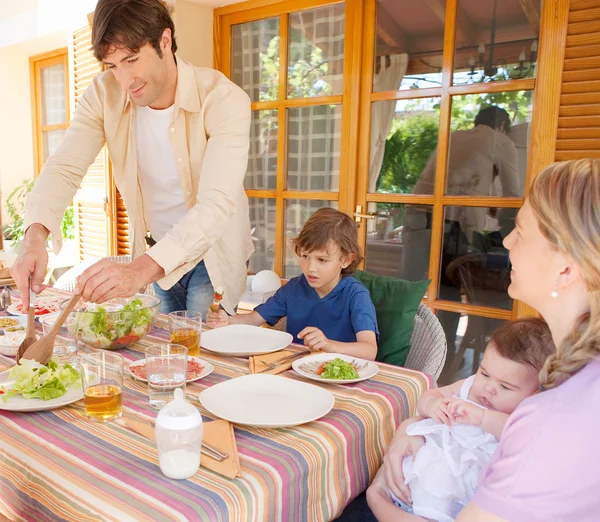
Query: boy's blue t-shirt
point(340, 315)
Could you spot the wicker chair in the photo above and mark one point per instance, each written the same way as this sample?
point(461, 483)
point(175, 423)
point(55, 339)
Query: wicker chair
point(68, 279)
point(427, 343)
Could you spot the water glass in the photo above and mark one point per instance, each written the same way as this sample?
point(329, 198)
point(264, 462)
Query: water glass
point(166, 369)
point(185, 327)
point(65, 343)
point(102, 379)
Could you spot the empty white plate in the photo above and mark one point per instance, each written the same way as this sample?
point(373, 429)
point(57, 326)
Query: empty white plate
point(242, 340)
point(267, 401)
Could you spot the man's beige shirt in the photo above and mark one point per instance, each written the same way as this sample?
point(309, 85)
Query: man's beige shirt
point(209, 137)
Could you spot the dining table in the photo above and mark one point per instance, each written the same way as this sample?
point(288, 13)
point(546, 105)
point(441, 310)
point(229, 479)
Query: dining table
point(58, 465)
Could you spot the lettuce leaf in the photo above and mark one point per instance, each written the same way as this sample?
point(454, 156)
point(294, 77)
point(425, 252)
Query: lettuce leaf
point(36, 381)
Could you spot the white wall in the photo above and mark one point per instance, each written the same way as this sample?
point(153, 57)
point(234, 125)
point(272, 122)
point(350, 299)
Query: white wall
point(16, 134)
point(194, 33)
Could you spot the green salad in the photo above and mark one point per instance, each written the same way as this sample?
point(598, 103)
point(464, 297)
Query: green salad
point(36, 381)
point(339, 369)
point(105, 328)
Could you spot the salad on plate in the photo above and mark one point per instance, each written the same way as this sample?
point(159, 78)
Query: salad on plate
point(337, 369)
point(33, 380)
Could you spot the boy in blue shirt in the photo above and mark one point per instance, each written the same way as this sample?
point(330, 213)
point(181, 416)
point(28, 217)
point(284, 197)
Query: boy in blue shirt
point(326, 308)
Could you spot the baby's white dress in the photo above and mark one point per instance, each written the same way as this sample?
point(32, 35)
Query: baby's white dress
point(443, 474)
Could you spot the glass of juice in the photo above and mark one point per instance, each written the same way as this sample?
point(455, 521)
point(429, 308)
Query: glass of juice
point(166, 369)
point(185, 327)
point(102, 379)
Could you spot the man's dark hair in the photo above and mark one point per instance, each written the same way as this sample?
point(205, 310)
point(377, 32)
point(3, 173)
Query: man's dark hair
point(493, 117)
point(130, 24)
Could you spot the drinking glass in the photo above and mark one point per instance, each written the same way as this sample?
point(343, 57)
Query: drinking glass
point(185, 327)
point(166, 368)
point(65, 343)
point(102, 379)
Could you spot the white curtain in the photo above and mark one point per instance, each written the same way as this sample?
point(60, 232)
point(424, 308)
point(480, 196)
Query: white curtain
point(388, 78)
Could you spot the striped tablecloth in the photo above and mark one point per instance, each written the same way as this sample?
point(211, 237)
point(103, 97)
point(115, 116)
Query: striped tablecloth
point(56, 465)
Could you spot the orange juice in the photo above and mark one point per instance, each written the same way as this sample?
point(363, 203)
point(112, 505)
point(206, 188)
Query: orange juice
point(103, 402)
point(188, 337)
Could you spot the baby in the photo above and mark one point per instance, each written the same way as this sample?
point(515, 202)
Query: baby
point(463, 424)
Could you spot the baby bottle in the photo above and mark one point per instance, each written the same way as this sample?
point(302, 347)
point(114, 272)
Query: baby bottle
point(179, 438)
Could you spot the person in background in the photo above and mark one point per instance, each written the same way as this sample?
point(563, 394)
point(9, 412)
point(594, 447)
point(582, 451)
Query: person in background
point(178, 140)
point(326, 308)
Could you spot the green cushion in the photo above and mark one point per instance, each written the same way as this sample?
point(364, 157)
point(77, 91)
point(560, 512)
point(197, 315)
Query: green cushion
point(396, 302)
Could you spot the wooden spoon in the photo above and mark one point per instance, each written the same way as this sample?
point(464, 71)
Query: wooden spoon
point(41, 351)
point(30, 336)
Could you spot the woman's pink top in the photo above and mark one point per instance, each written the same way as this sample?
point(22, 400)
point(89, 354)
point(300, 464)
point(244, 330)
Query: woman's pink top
point(547, 466)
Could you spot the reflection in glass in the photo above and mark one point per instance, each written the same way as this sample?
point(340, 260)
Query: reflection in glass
point(51, 140)
point(488, 145)
point(52, 81)
point(475, 266)
point(467, 336)
point(403, 136)
point(496, 40)
point(297, 212)
point(255, 58)
point(409, 41)
point(313, 152)
point(262, 220)
point(316, 52)
point(262, 156)
point(398, 243)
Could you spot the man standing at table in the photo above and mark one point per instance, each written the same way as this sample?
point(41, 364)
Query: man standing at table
point(178, 139)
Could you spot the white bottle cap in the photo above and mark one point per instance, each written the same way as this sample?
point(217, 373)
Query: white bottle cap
point(178, 414)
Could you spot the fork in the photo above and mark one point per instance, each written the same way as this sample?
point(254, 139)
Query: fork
point(288, 358)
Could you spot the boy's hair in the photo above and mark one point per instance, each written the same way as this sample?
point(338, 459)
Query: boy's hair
point(328, 224)
point(527, 341)
point(130, 24)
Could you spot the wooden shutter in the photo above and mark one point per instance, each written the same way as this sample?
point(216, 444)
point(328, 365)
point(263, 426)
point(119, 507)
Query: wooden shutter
point(122, 226)
point(579, 115)
point(92, 223)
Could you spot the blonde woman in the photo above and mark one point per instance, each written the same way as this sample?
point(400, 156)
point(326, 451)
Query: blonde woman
point(547, 466)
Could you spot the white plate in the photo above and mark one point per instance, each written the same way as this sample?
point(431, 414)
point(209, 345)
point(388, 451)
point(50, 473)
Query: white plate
point(267, 401)
point(22, 320)
point(10, 342)
point(370, 370)
point(19, 403)
point(41, 301)
point(208, 368)
point(242, 340)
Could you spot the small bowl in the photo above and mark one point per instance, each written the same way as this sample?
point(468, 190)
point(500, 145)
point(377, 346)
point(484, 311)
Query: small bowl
point(110, 327)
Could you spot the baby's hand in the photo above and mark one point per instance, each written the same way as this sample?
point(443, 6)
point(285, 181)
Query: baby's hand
point(438, 410)
point(315, 339)
point(217, 319)
point(463, 412)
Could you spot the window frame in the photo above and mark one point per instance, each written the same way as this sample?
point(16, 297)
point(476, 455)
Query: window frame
point(36, 64)
point(358, 71)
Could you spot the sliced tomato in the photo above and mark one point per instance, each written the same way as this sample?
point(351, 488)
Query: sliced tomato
point(128, 339)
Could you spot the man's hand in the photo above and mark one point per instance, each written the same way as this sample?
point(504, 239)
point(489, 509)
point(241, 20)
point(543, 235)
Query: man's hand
point(402, 445)
point(315, 339)
point(106, 279)
point(31, 262)
point(463, 412)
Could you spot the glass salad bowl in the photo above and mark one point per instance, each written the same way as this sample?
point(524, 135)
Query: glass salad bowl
point(117, 323)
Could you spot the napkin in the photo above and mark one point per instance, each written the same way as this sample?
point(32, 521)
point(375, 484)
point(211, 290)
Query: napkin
point(259, 363)
point(218, 434)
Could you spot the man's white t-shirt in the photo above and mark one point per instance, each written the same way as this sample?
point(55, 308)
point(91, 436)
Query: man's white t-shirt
point(164, 203)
